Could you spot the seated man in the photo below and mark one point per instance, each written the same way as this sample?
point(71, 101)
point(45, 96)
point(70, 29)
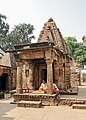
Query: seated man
point(55, 89)
point(43, 87)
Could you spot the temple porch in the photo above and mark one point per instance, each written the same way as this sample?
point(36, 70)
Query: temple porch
point(46, 99)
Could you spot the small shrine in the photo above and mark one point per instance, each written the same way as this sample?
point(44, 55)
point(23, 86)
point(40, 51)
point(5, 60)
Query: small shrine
point(48, 60)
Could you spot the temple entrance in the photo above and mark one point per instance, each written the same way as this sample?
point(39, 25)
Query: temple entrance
point(44, 75)
point(4, 82)
point(40, 73)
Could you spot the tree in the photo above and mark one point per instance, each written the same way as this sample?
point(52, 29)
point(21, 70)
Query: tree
point(72, 43)
point(80, 54)
point(21, 34)
point(4, 29)
point(78, 50)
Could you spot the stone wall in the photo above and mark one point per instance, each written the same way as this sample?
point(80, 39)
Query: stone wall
point(13, 85)
point(75, 79)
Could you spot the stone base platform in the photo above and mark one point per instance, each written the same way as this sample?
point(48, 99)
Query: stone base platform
point(46, 99)
point(79, 106)
point(71, 101)
point(33, 104)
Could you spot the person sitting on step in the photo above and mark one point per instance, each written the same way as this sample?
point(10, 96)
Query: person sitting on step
point(43, 87)
point(55, 89)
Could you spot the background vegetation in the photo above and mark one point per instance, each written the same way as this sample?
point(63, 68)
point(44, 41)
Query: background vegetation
point(20, 34)
point(78, 50)
point(23, 34)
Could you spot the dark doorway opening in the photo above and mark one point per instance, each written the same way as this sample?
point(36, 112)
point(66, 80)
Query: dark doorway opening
point(44, 75)
point(4, 82)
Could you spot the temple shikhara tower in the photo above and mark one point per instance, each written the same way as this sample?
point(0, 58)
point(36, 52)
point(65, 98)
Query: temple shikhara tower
point(48, 59)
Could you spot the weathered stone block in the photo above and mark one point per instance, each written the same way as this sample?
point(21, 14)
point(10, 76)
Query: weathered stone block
point(33, 104)
point(78, 106)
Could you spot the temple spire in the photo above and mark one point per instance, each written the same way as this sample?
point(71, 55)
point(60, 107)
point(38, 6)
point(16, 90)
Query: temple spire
point(50, 33)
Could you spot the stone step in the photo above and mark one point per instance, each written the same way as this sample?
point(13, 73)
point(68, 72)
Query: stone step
point(78, 102)
point(71, 101)
point(79, 106)
point(33, 104)
point(68, 92)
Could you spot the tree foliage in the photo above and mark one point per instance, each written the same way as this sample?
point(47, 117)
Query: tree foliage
point(78, 50)
point(4, 29)
point(80, 53)
point(20, 34)
point(71, 42)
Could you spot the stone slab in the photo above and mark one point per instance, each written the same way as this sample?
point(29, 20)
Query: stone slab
point(33, 104)
point(79, 106)
point(71, 101)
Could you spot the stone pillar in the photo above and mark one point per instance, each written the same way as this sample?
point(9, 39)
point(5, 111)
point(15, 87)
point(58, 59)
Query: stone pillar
point(49, 76)
point(56, 72)
point(9, 84)
point(30, 82)
point(61, 76)
point(14, 75)
point(27, 73)
point(24, 84)
point(67, 75)
point(19, 77)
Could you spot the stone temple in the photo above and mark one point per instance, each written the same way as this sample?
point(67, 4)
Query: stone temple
point(48, 59)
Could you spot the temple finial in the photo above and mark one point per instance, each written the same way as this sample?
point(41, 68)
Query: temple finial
point(50, 20)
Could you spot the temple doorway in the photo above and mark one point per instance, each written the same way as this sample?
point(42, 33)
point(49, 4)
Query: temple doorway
point(44, 75)
point(4, 82)
point(40, 73)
